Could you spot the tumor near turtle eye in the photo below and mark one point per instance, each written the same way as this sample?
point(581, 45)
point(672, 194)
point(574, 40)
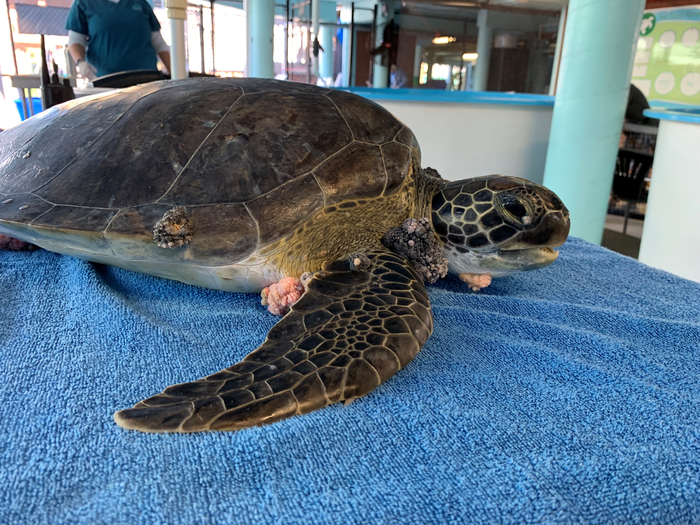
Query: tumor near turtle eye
point(515, 209)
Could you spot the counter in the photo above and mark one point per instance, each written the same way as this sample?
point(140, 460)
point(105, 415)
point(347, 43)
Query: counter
point(671, 237)
point(468, 134)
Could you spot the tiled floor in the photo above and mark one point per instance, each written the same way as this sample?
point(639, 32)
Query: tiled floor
point(615, 223)
point(613, 238)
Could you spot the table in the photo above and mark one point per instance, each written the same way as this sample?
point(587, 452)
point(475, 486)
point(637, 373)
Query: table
point(563, 395)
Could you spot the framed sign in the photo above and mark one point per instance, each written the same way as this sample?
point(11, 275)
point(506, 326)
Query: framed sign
point(667, 62)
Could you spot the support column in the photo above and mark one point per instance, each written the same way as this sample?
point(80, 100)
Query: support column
point(557, 52)
point(326, 62)
point(177, 13)
point(327, 15)
point(346, 17)
point(315, 34)
point(484, 41)
point(417, 60)
point(594, 81)
point(380, 73)
point(260, 22)
point(347, 46)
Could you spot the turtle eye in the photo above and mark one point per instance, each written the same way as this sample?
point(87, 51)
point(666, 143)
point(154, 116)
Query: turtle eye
point(515, 209)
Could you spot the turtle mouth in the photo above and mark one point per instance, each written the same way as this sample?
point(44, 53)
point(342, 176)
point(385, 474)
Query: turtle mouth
point(519, 260)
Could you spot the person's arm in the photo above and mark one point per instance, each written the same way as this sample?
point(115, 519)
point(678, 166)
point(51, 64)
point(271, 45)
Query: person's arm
point(162, 49)
point(77, 26)
point(401, 78)
point(165, 58)
point(77, 51)
point(77, 44)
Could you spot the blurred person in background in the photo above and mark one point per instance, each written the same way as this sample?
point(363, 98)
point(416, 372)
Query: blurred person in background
point(634, 113)
point(110, 36)
point(397, 77)
point(636, 104)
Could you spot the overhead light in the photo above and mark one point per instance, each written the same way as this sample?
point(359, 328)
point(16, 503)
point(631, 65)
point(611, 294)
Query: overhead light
point(444, 39)
point(470, 56)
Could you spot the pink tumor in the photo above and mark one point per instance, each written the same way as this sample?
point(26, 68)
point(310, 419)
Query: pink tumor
point(475, 281)
point(280, 296)
point(10, 243)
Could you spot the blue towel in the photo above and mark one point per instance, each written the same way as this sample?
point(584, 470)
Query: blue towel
point(565, 395)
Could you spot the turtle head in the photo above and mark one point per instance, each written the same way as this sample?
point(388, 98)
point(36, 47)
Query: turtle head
point(498, 225)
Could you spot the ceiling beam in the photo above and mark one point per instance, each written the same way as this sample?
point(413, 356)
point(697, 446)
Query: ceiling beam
point(656, 4)
point(490, 7)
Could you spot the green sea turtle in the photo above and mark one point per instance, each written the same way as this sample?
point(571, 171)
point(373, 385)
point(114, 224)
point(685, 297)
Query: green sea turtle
point(240, 184)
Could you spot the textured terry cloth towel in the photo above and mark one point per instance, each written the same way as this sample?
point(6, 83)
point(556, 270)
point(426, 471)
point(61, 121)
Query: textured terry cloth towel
point(566, 395)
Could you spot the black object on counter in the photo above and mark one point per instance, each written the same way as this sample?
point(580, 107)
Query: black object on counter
point(53, 91)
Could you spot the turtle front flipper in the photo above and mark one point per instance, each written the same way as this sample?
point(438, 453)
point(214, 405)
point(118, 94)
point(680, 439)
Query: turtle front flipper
point(353, 329)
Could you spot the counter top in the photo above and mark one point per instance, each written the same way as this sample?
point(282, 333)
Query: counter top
point(458, 97)
point(689, 114)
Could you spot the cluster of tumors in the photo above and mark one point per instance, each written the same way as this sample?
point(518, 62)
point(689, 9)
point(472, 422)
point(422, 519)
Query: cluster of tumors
point(415, 240)
point(10, 243)
point(280, 296)
point(174, 229)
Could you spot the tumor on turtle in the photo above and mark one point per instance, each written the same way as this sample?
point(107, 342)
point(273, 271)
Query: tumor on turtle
point(9, 243)
point(313, 194)
point(415, 240)
point(280, 296)
point(174, 229)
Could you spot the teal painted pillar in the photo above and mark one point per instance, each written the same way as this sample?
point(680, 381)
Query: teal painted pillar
point(326, 66)
point(483, 48)
point(326, 33)
point(347, 46)
point(557, 52)
point(260, 21)
point(594, 80)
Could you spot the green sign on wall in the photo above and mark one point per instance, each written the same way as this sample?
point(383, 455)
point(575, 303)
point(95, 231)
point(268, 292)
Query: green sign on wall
point(648, 23)
point(667, 63)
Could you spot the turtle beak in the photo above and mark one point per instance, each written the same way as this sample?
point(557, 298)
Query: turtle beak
point(509, 261)
point(532, 249)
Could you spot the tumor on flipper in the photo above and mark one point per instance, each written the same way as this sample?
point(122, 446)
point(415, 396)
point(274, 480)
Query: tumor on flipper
point(305, 278)
point(10, 243)
point(280, 296)
point(359, 262)
point(475, 281)
point(174, 229)
point(432, 172)
point(415, 239)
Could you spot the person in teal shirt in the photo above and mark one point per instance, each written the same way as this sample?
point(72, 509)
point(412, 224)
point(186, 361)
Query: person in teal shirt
point(110, 36)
